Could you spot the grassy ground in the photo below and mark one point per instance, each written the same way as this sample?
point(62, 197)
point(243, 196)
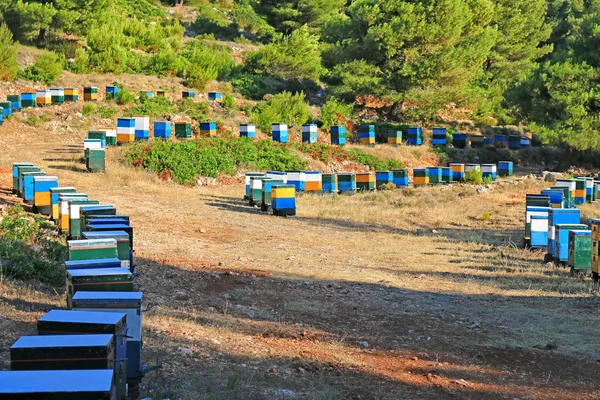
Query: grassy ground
point(412, 294)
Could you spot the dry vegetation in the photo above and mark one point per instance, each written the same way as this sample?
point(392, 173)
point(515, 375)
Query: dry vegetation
point(406, 294)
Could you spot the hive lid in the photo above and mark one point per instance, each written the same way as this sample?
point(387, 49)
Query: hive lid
point(107, 299)
point(97, 207)
point(105, 234)
point(82, 317)
point(78, 273)
point(45, 178)
point(97, 262)
point(91, 243)
point(23, 382)
point(109, 227)
point(62, 341)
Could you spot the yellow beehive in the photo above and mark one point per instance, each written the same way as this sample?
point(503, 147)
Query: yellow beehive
point(457, 167)
point(125, 138)
point(421, 180)
point(43, 98)
point(579, 193)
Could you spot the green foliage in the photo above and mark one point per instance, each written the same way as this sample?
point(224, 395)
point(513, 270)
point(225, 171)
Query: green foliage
point(184, 162)
point(88, 109)
point(335, 112)
point(206, 63)
point(253, 87)
point(356, 78)
point(8, 55)
point(327, 154)
point(46, 69)
point(195, 110)
point(288, 15)
point(27, 249)
point(124, 96)
point(474, 177)
point(287, 107)
point(229, 101)
point(107, 112)
point(158, 107)
point(297, 56)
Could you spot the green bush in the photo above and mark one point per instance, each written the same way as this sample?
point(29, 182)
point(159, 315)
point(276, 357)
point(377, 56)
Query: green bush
point(27, 248)
point(229, 101)
point(107, 112)
point(8, 55)
point(184, 162)
point(328, 154)
point(88, 109)
point(46, 69)
point(124, 96)
point(253, 87)
point(283, 107)
point(335, 112)
point(198, 111)
point(474, 177)
point(206, 63)
point(152, 106)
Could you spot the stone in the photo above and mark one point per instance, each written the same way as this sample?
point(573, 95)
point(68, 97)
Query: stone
point(363, 345)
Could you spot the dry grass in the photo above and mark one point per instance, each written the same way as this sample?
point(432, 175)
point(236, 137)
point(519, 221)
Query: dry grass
point(438, 292)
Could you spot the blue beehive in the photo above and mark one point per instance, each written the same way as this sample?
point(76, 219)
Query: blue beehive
point(558, 216)
point(556, 197)
point(111, 92)
point(29, 185)
point(247, 130)
point(6, 110)
point(280, 132)
point(15, 101)
point(95, 263)
point(439, 137)
point(514, 142)
point(400, 177)
point(383, 178)
point(298, 179)
point(414, 136)
point(539, 231)
point(309, 133)
point(488, 143)
point(188, 94)
point(338, 135)
point(525, 142)
point(329, 185)
point(214, 96)
point(146, 94)
point(500, 141)
point(28, 99)
point(283, 200)
point(459, 140)
point(367, 134)
point(505, 168)
point(346, 182)
point(162, 129)
point(65, 385)
point(561, 240)
point(1, 119)
point(489, 171)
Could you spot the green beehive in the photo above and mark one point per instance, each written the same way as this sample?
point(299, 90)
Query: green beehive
point(96, 160)
point(435, 175)
point(75, 216)
point(6, 105)
point(98, 280)
point(183, 130)
point(122, 238)
point(580, 249)
point(92, 249)
point(98, 135)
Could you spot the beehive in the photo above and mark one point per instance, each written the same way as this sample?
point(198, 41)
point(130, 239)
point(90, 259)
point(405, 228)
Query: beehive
point(580, 249)
point(400, 177)
point(208, 129)
point(525, 142)
point(279, 133)
point(314, 181)
point(131, 304)
point(15, 173)
point(256, 190)
point(505, 168)
point(435, 175)
point(28, 100)
point(500, 141)
point(75, 216)
point(98, 135)
point(5, 107)
point(29, 185)
point(90, 93)
point(60, 322)
point(267, 191)
point(365, 181)
point(329, 185)
point(580, 191)
point(125, 130)
point(43, 98)
point(247, 177)
point(94, 384)
point(367, 134)
point(589, 189)
point(142, 128)
point(107, 210)
point(394, 138)
point(89, 144)
point(162, 129)
point(476, 141)
point(489, 171)
point(439, 137)
point(383, 178)
point(146, 94)
point(283, 200)
point(567, 198)
point(459, 140)
point(414, 136)
point(531, 211)
point(338, 135)
point(120, 226)
point(346, 182)
point(298, 179)
point(247, 130)
point(514, 142)
point(162, 93)
point(488, 143)
point(57, 95)
point(595, 248)
point(561, 240)
point(63, 208)
point(420, 177)
point(570, 184)
point(447, 175)
point(21, 170)
point(556, 197)
point(214, 96)
point(558, 216)
point(71, 94)
point(596, 187)
point(278, 176)
point(15, 102)
point(98, 280)
point(111, 136)
point(309, 133)
point(41, 199)
point(183, 130)
point(96, 160)
point(111, 92)
point(1, 116)
point(539, 232)
point(471, 167)
point(458, 172)
point(188, 94)
point(92, 249)
point(95, 263)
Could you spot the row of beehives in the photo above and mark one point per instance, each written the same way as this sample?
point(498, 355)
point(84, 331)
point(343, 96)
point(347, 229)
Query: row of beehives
point(93, 349)
point(276, 191)
point(552, 223)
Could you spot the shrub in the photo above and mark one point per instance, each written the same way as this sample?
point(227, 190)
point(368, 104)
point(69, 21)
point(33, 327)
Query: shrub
point(185, 161)
point(46, 68)
point(335, 112)
point(107, 112)
point(124, 96)
point(287, 107)
point(475, 177)
point(152, 106)
point(327, 154)
point(195, 110)
point(229, 101)
point(88, 109)
point(206, 63)
point(8, 55)
point(27, 249)
point(251, 86)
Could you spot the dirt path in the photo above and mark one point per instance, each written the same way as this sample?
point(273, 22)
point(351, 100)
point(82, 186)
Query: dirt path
point(399, 295)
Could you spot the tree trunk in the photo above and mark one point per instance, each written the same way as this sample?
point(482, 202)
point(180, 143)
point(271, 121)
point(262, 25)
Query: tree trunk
point(177, 3)
point(42, 36)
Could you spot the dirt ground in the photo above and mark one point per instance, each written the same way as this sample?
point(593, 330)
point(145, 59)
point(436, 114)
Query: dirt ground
point(411, 294)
